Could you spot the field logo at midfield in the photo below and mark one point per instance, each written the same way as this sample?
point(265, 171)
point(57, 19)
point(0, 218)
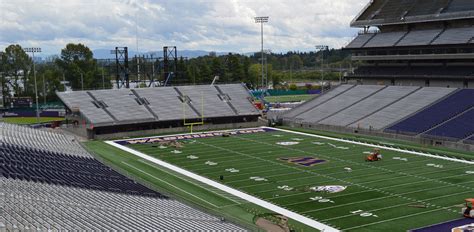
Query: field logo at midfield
point(329, 188)
point(191, 136)
point(303, 161)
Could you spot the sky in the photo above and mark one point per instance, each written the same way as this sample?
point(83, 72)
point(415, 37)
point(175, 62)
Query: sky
point(210, 25)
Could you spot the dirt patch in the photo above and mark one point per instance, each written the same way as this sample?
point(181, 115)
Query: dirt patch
point(269, 226)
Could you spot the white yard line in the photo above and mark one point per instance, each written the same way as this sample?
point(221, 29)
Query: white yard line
point(305, 220)
point(375, 146)
point(168, 183)
point(142, 161)
point(297, 217)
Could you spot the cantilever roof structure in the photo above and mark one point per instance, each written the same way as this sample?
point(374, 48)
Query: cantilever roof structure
point(393, 12)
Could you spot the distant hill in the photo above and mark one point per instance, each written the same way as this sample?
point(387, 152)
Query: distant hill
point(105, 53)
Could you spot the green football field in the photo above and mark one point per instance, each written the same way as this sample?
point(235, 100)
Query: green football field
point(289, 98)
point(402, 192)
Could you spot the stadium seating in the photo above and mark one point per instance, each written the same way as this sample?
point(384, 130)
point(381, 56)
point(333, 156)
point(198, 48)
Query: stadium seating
point(122, 105)
point(28, 206)
point(414, 71)
point(427, 7)
point(48, 167)
point(208, 96)
point(436, 114)
point(403, 108)
point(393, 9)
point(166, 103)
point(387, 39)
point(239, 98)
point(41, 140)
point(335, 105)
point(460, 5)
point(82, 101)
point(455, 36)
point(309, 105)
point(46, 187)
point(421, 37)
point(360, 40)
point(125, 106)
point(458, 128)
point(369, 106)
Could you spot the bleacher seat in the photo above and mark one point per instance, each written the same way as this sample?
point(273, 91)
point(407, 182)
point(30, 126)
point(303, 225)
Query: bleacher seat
point(419, 37)
point(386, 39)
point(436, 114)
point(125, 106)
point(455, 36)
point(460, 5)
point(360, 40)
point(403, 108)
point(46, 189)
point(334, 105)
point(28, 206)
point(458, 128)
point(368, 106)
point(309, 105)
point(41, 139)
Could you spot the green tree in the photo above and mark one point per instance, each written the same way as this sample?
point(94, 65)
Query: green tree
point(235, 70)
point(16, 67)
point(255, 75)
point(79, 66)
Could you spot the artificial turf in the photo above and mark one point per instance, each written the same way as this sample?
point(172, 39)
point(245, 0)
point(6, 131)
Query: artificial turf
point(384, 195)
point(289, 98)
point(30, 120)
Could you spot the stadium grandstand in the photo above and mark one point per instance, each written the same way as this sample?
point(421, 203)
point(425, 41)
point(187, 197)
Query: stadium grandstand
point(128, 112)
point(415, 43)
point(414, 80)
point(49, 183)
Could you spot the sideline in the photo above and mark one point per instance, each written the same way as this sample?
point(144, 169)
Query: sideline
point(297, 217)
point(375, 146)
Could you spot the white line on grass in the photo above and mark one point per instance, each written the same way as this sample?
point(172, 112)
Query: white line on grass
point(297, 217)
point(375, 146)
point(144, 162)
point(168, 183)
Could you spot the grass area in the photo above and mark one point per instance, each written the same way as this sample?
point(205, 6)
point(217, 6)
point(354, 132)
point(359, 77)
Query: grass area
point(384, 195)
point(30, 120)
point(386, 141)
point(289, 98)
point(178, 186)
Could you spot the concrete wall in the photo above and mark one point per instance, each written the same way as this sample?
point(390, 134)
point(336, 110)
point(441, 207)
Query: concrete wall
point(444, 83)
point(416, 139)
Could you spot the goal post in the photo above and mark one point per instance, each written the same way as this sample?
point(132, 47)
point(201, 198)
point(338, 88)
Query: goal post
point(191, 125)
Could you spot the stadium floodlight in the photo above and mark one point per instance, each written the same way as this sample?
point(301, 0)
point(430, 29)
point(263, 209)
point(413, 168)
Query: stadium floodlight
point(33, 51)
point(262, 20)
point(322, 48)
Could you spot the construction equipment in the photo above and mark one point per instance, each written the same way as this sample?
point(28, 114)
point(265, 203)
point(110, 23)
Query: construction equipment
point(467, 210)
point(374, 156)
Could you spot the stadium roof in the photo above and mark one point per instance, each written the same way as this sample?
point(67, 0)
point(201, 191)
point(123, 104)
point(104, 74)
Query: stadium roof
point(392, 12)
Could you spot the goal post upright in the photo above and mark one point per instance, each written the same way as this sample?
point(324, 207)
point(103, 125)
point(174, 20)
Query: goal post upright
point(192, 124)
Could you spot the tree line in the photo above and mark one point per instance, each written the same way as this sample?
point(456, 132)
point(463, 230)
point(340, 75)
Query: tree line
point(76, 66)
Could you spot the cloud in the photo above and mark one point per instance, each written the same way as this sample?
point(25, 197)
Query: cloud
point(214, 25)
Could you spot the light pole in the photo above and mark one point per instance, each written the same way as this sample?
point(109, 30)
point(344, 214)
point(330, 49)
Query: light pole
point(267, 52)
point(33, 51)
point(44, 91)
point(322, 48)
point(262, 20)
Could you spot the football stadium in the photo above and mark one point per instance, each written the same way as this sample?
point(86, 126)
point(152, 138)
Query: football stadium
point(388, 148)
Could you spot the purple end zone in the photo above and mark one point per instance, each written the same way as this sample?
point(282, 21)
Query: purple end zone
point(156, 139)
point(446, 226)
